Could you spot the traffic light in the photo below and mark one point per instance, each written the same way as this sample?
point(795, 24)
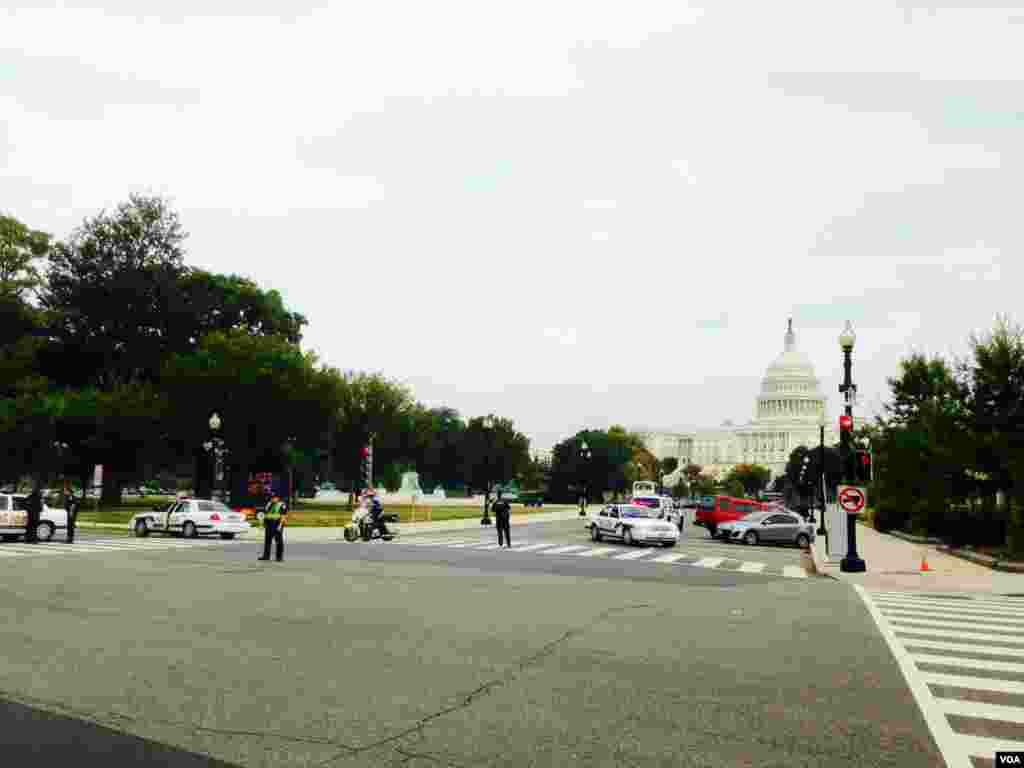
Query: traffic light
point(845, 423)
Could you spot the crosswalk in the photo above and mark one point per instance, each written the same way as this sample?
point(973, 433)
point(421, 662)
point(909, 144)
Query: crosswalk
point(13, 550)
point(696, 557)
point(963, 658)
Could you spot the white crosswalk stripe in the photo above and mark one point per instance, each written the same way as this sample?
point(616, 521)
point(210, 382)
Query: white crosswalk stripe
point(59, 548)
point(963, 658)
point(688, 557)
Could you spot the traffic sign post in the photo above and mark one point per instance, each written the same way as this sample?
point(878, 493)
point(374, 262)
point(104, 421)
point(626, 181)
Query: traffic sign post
point(852, 498)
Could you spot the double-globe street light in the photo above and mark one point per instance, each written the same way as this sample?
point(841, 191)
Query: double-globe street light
point(215, 447)
point(584, 471)
point(852, 563)
point(821, 479)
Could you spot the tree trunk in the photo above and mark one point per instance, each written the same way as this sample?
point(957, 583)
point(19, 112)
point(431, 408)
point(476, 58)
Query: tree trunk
point(203, 477)
point(112, 482)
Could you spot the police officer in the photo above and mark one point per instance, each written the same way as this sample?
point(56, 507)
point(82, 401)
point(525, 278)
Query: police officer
point(34, 508)
point(502, 512)
point(273, 528)
point(71, 504)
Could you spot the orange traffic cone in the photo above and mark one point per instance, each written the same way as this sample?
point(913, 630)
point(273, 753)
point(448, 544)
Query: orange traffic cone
point(924, 561)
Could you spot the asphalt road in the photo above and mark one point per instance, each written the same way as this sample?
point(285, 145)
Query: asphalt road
point(354, 654)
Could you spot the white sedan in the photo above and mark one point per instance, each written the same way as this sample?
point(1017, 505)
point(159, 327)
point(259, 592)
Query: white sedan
point(191, 518)
point(14, 518)
point(633, 524)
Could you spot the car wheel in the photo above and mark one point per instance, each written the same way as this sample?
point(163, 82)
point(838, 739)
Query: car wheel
point(750, 538)
point(803, 541)
point(189, 530)
point(627, 538)
point(669, 544)
point(713, 530)
point(227, 535)
point(594, 533)
point(141, 529)
point(44, 531)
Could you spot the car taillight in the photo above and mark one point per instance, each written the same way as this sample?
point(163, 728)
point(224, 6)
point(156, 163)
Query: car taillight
point(215, 517)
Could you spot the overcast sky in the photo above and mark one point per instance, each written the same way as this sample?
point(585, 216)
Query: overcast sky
point(572, 213)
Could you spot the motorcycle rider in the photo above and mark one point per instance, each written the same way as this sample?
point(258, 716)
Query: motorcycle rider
point(376, 515)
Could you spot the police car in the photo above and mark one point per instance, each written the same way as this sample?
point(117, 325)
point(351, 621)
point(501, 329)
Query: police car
point(14, 518)
point(191, 518)
point(633, 524)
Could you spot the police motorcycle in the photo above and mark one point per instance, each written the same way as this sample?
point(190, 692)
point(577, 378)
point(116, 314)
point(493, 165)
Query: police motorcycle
point(367, 528)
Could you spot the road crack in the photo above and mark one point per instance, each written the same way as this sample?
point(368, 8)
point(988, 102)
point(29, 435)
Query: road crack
point(484, 689)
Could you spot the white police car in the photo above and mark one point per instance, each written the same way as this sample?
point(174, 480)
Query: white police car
point(14, 518)
point(633, 524)
point(191, 518)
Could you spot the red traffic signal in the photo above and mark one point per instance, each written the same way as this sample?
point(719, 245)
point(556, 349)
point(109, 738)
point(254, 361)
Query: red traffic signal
point(366, 450)
point(845, 423)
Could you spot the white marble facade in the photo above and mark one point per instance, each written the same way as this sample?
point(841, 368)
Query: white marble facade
point(786, 415)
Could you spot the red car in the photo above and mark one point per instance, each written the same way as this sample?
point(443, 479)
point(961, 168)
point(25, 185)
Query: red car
point(720, 509)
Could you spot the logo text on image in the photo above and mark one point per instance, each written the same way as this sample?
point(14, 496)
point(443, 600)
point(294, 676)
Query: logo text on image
point(1009, 758)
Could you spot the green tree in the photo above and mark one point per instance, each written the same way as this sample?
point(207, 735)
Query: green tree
point(996, 404)
point(20, 250)
point(752, 477)
point(668, 465)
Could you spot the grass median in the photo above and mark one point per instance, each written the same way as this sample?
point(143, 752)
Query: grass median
point(326, 516)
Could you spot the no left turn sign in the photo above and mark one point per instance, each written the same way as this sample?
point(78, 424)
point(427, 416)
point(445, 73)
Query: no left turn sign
point(851, 498)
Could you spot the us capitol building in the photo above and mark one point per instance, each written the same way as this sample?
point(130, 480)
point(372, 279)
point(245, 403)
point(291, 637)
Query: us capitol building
point(786, 415)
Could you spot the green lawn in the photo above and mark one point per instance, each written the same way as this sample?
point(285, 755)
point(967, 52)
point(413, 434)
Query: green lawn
point(313, 515)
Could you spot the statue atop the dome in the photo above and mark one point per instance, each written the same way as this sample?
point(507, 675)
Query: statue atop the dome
point(790, 337)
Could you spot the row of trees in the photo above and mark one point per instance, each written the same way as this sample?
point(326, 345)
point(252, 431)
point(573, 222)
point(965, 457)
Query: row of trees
point(115, 352)
point(618, 458)
point(949, 451)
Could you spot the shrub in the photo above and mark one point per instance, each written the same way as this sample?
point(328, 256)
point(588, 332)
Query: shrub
point(889, 515)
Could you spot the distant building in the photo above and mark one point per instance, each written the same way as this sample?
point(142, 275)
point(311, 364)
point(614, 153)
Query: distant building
point(786, 414)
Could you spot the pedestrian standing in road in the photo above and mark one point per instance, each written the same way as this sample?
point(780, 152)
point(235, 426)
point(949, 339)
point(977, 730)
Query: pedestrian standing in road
point(502, 514)
point(273, 528)
point(71, 504)
point(34, 508)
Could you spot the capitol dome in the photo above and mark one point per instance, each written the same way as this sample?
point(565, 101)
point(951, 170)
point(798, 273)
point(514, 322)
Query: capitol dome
point(789, 389)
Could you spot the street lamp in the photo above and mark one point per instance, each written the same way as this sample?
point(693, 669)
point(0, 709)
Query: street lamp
point(852, 563)
point(488, 424)
point(821, 480)
point(215, 447)
point(585, 460)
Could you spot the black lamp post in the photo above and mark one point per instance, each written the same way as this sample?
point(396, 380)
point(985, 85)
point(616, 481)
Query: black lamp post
point(803, 483)
point(215, 447)
point(584, 468)
point(852, 562)
point(488, 425)
point(821, 479)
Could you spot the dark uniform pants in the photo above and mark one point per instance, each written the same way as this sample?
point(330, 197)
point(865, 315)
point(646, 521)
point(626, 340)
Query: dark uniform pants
point(272, 531)
point(72, 514)
point(32, 531)
point(504, 530)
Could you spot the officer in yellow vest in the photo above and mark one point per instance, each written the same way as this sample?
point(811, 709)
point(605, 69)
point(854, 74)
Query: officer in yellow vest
point(273, 528)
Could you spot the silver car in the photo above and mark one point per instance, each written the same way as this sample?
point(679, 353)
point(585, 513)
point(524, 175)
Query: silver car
point(769, 528)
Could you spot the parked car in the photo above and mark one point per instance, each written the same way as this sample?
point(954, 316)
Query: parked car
point(190, 518)
point(14, 518)
point(715, 510)
point(769, 528)
point(633, 524)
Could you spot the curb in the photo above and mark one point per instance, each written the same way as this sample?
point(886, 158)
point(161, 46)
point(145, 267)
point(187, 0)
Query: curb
point(912, 538)
point(1008, 566)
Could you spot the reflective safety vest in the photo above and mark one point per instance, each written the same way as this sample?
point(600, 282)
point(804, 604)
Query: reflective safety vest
point(273, 512)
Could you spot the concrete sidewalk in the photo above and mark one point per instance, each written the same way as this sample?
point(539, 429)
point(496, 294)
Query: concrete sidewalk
point(895, 565)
